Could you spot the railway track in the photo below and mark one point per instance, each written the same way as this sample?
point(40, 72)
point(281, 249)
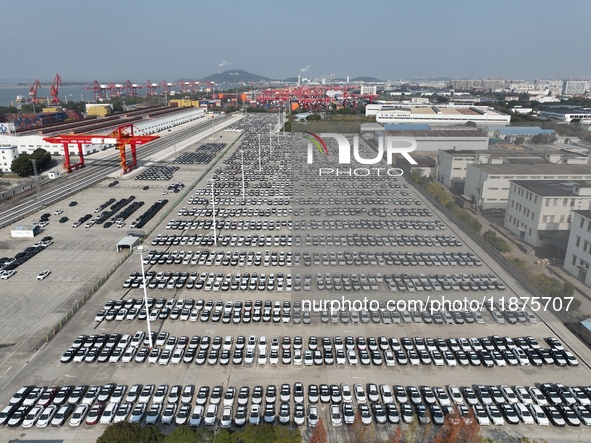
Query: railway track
point(95, 171)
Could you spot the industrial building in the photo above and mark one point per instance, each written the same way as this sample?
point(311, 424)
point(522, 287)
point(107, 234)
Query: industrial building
point(434, 140)
point(453, 164)
point(583, 116)
point(540, 211)
point(29, 142)
point(511, 134)
point(578, 251)
point(487, 186)
point(443, 115)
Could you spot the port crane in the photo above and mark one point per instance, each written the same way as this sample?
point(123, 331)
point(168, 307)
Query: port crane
point(33, 91)
point(54, 90)
point(121, 137)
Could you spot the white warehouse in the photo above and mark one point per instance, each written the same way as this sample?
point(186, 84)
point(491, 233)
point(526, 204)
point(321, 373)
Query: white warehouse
point(487, 186)
point(540, 212)
point(28, 143)
point(578, 251)
point(444, 115)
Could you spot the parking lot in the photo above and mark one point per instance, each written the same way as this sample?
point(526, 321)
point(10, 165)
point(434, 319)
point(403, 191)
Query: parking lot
point(292, 239)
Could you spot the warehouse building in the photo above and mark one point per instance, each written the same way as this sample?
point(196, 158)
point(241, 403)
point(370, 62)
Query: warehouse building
point(487, 186)
point(453, 164)
point(436, 139)
point(443, 115)
point(540, 212)
point(578, 251)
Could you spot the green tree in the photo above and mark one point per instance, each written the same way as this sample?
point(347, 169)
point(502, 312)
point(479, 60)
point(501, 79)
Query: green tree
point(519, 140)
point(43, 159)
point(256, 434)
point(287, 435)
point(222, 436)
point(22, 165)
point(186, 434)
point(313, 117)
point(543, 139)
point(124, 432)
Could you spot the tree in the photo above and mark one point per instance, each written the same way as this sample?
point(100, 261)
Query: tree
point(470, 124)
point(222, 436)
point(567, 141)
point(42, 157)
point(313, 117)
point(125, 432)
point(186, 434)
point(22, 165)
point(287, 435)
point(543, 139)
point(519, 140)
point(319, 435)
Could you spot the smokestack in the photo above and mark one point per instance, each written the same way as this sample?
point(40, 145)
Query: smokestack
point(347, 79)
point(299, 78)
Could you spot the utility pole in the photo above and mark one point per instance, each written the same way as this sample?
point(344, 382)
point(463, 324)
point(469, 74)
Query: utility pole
point(37, 200)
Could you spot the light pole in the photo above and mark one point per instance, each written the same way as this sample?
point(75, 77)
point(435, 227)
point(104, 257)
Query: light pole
point(259, 151)
point(215, 237)
point(140, 250)
point(270, 138)
point(242, 162)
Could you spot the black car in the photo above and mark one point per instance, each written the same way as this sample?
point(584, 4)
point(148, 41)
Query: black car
point(73, 203)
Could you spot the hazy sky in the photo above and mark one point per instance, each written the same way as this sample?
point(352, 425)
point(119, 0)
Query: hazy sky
point(389, 39)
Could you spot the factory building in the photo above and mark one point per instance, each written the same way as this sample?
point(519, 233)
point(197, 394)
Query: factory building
point(540, 212)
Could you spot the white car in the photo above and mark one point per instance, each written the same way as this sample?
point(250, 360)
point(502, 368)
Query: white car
point(524, 414)
point(210, 415)
point(46, 416)
point(7, 274)
point(58, 211)
point(43, 275)
point(108, 414)
point(79, 415)
point(359, 393)
point(32, 417)
point(539, 415)
point(336, 418)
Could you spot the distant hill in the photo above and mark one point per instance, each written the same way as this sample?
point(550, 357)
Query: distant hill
point(365, 79)
point(235, 76)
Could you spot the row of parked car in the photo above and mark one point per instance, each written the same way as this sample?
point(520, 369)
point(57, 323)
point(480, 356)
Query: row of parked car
point(259, 314)
point(157, 173)
point(486, 351)
point(8, 265)
point(203, 155)
point(542, 404)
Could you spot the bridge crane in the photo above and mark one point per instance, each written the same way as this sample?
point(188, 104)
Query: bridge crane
point(121, 137)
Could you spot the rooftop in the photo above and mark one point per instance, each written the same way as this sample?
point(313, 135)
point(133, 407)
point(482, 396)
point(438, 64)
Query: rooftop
point(435, 133)
point(553, 188)
point(524, 130)
point(585, 213)
point(536, 170)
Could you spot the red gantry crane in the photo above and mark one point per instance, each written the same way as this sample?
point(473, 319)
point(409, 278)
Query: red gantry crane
point(121, 137)
point(54, 90)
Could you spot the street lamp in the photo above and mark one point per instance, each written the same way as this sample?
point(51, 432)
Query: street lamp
point(215, 237)
point(140, 250)
point(270, 135)
point(242, 162)
point(259, 151)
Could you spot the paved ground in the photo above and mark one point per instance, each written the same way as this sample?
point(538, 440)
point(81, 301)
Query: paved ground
point(83, 260)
